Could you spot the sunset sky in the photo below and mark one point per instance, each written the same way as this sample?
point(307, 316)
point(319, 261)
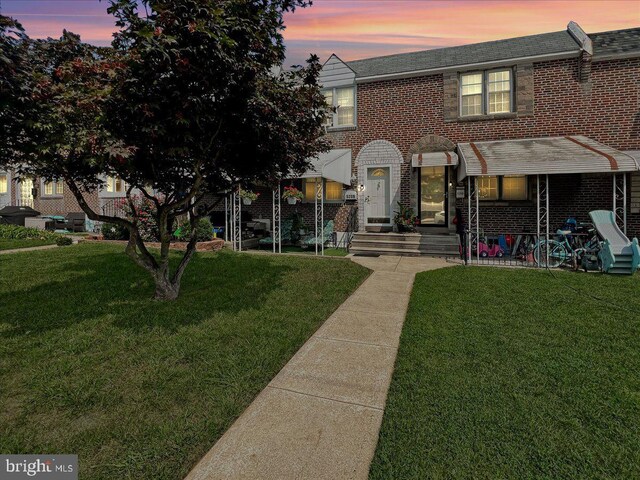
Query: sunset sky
point(363, 28)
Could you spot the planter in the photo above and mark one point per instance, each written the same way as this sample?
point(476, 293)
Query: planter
point(292, 200)
point(246, 201)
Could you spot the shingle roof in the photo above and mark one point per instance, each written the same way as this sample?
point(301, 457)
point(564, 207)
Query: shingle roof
point(616, 42)
point(533, 45)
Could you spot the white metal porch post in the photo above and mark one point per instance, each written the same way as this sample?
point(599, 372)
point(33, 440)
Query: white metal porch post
point(319, 227)
point(473, 217)
point(542, 195)
point(237, 221)
point(620, 196)
point(276, 232)
point(226, 218)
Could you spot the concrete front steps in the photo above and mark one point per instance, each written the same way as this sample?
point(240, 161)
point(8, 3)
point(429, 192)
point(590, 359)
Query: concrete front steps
point(406, 244)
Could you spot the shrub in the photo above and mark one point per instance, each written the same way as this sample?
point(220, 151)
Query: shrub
point(111, 231)
point(63, 241)
point(204, 231)
point(24, 233)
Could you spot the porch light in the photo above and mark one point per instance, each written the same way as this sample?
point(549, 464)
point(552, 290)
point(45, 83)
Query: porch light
point(361, 187)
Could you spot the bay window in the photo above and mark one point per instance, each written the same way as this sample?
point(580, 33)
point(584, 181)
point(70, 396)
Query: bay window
point(489, 92)
point(509, 187)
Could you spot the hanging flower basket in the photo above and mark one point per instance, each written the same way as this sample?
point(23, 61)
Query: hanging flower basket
point(247, 196)
point(292, 195)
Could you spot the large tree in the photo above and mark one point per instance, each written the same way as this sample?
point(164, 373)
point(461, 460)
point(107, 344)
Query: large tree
point(189, 103)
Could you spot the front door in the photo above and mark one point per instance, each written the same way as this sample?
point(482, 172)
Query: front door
point(378, 196)
point(434, 201)
point(25, 192)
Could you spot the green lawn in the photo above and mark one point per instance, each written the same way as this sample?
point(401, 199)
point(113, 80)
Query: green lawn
point(90, 365)
point(515, 374)
point(9, 244)
point(328, 251)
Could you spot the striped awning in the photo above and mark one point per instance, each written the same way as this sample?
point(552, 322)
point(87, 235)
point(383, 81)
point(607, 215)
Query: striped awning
point(538, 156)
point(434, 159)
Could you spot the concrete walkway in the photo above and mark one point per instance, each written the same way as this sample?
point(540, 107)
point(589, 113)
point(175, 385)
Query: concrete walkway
point(27, 249)
point(319, 418)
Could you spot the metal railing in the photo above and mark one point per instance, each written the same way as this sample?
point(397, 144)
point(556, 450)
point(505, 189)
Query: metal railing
point(113, 207)
point(352, 226)
point(528, 249)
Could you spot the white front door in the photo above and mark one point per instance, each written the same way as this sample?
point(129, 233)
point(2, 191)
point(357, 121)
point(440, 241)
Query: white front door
point(378, 196)
point(5, 198)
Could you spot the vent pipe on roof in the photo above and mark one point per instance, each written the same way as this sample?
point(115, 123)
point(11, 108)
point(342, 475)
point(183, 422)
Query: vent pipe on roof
point(586, 56)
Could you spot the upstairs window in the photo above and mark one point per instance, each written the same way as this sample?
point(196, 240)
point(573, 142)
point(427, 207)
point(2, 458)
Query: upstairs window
point(486, 93)
point(115, 185)
point(53, 188)
point(4, 183)
point(344, 102)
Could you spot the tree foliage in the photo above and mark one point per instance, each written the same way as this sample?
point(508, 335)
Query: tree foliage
point(190, 102)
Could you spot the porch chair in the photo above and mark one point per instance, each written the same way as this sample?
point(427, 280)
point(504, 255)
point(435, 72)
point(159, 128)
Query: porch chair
point(326, 238)
point(286, 234)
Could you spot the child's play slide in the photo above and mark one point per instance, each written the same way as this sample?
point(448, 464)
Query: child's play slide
point(619, 254)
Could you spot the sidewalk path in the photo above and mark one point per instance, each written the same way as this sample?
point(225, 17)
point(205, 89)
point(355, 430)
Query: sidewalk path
point(319, 418)
point(27, 249)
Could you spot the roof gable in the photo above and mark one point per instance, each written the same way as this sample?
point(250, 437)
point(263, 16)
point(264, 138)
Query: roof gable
point(336, 73)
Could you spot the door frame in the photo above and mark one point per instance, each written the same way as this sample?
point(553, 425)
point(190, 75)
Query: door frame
point(446, 199)
point(366, 176)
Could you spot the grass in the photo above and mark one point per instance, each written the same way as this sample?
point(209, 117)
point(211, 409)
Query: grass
point(11, 243)
point(90, 365)
point(515, 374)
point(328, 251)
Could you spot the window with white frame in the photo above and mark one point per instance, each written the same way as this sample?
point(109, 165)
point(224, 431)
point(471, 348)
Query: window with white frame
point(509, 187)
point(344, 101)
point(4, 183)
point(488, 92)
point(115, 185)
point(53, 188)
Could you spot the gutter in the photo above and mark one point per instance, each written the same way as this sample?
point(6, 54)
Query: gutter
point(470, 66)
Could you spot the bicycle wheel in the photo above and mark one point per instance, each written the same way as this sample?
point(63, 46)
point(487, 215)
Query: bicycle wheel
point(557, 254)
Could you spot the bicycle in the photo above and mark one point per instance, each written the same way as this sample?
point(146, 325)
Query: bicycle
point(571, 248)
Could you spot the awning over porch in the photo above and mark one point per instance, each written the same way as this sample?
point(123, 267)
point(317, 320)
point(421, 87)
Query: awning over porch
point(539, 156)
point(333, 165)
point(434, 159)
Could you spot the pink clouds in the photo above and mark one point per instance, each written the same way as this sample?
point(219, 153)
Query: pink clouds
point(362, 28)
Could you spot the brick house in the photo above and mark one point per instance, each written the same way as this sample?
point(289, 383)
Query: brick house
point(421, 128)
point(564, 104)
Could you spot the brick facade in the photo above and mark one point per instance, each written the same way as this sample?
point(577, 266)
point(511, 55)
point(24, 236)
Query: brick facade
point(606, 108)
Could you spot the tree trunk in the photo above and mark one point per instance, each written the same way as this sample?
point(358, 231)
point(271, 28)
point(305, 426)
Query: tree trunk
point(165, 288)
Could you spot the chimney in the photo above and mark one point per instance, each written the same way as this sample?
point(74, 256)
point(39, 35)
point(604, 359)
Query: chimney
point(586, 55)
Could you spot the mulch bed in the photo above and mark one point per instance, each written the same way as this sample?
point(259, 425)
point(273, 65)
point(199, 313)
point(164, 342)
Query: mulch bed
point(211, 246)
